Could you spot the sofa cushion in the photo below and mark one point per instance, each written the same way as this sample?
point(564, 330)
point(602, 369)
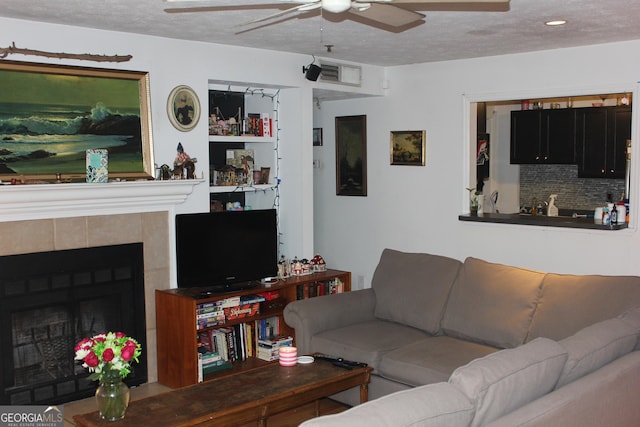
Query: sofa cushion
point(503, 381)
point(595, 346)
point(632, 317)
point(366, 341)
point(435, 405)
point(429, 360)
point(412, 288)
point(492, 303)
point(569, 303)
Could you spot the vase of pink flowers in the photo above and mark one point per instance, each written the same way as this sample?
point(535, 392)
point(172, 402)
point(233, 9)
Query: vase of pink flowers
point(108, 357)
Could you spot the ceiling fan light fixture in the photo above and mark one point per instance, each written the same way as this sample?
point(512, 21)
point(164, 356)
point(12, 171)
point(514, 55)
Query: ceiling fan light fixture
point(336, 6)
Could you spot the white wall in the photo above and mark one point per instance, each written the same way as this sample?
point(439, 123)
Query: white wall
point(173, 62)
point(416, 208)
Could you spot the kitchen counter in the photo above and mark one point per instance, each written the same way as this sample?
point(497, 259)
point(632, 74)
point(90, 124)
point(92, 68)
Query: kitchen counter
point(543, 221)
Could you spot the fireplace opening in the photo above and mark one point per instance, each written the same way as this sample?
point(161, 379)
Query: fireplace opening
point(51, 300)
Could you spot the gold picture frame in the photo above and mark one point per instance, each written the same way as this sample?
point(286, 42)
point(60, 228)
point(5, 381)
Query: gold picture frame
point(408, 147)
point(183, 108)
point(55, 113)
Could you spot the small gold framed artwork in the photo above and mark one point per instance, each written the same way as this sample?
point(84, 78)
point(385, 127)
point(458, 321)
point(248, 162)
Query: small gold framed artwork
point(408, 147)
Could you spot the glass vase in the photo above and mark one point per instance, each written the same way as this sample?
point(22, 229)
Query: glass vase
point(112, 397)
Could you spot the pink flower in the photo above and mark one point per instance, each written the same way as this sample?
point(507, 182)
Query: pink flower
point(128, 351)
point(84, 344)
point(107, 355)
point(120, 335)
point(91, 360)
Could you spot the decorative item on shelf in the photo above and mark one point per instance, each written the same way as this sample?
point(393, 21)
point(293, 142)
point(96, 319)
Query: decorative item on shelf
point(97, 165)
point(296, 267)
point(184, 166)
point(318, 263)
point(265, 175)
point(257, 177)
point(242, 161)
point(225, 176)
point(108, 356)
point(306, 267)
point(284, 267)
point(234, 206)
point(473, 201)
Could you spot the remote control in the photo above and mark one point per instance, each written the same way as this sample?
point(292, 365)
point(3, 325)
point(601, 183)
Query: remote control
point(341, 362)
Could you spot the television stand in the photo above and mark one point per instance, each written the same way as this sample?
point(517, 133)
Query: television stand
point(178, 330)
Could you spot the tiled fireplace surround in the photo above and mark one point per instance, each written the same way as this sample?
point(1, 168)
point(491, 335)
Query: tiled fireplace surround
point(118, 225)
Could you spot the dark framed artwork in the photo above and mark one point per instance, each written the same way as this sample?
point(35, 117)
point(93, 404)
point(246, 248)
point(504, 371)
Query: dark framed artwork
point(482, 157)
point(183, 108)
point(408, 147)
point(50, 115)
point(351, 155)
point(317, 137)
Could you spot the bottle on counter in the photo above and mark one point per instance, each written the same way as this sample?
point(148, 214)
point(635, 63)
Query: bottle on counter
point(621, 212)
point(606, 216)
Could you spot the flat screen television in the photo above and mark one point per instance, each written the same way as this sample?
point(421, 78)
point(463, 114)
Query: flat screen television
point(226, 251)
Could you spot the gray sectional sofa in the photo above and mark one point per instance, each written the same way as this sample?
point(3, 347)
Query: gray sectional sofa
point(476, 343)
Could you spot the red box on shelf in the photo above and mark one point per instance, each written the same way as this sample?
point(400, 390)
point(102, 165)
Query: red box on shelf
point(270, 295)
point(242, 311)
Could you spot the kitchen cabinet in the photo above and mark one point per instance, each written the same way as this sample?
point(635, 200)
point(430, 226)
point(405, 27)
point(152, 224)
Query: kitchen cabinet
point(601, 138)
point(543, 136)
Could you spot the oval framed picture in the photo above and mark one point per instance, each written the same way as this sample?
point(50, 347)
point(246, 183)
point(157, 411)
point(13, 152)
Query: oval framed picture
point(183, 108)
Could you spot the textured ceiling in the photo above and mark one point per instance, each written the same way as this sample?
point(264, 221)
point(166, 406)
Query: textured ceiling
point(445, 35)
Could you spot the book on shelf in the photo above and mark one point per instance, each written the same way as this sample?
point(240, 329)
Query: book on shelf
point(204, 369)
point(268, 349)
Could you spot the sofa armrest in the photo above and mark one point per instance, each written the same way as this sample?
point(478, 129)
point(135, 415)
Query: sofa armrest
point(311, 316)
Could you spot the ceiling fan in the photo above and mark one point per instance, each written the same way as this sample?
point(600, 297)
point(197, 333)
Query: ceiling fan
point(387, 14)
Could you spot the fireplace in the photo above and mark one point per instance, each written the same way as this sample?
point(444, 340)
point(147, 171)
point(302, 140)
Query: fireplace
point(49, 301)
point(42, 218)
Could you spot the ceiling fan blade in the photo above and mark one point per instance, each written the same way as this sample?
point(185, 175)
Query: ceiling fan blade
point(450, 1)
point(455, 5)
point(303, 7)
point(388, 14)
point(191, 9)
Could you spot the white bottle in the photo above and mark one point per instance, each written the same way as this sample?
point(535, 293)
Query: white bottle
point(552, 209)
point(622, 213)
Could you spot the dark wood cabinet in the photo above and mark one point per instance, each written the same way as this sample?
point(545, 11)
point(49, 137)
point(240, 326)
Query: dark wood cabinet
point(601, 135)
point(543, 136)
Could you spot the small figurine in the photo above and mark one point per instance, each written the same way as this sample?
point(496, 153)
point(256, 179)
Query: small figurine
point(184, 163)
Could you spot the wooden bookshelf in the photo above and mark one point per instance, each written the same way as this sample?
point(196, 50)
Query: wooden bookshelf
point(177, 332)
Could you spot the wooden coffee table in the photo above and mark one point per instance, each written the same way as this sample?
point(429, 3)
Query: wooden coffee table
point(246, 396)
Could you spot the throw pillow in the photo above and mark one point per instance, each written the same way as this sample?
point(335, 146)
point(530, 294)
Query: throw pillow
point(595, 346)
point(412, 288)
point(492, 303)
point(506, 380)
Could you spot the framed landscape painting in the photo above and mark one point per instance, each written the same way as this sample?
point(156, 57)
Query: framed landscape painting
point(408, 147)
point(351, 156)
point(51, 115)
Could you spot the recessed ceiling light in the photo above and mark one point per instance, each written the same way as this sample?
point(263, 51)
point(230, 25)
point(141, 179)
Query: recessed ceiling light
point(555, 22)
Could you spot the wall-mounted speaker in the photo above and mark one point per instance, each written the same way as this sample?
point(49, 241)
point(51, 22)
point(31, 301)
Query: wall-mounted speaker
point(312, 72)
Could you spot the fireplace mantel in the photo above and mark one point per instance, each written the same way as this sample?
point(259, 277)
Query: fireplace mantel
point(27, 202)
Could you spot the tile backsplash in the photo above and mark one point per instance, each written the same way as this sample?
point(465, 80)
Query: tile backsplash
point(540, 181)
